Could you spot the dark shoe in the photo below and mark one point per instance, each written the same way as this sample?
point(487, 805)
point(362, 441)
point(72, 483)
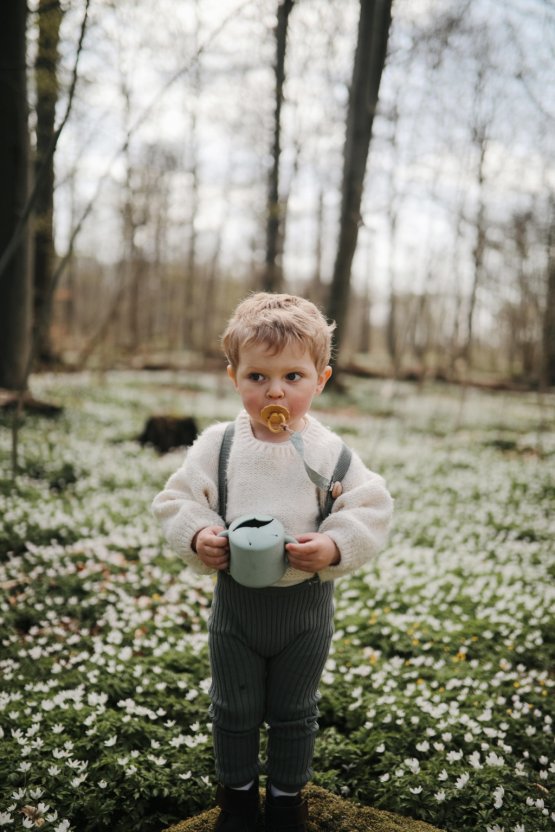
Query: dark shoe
point(239, 809)
point(286, 814)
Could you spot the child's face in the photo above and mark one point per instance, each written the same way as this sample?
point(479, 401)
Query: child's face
point(288, 378)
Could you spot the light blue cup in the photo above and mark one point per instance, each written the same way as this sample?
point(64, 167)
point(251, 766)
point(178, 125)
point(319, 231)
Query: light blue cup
point(257, 556)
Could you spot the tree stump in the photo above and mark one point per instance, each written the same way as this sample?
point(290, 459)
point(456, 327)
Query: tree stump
point(167, 432)
point(328, 813)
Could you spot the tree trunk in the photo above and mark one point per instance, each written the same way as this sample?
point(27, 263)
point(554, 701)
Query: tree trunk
point(478, 251)
point(371, 49)
point(316, 292)
point(273, 275)
point(46, 75)
point(190, 311)
point(15, 282)
point(548, 379)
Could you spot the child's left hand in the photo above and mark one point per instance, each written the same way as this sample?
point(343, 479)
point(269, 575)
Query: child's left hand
point(312, 552)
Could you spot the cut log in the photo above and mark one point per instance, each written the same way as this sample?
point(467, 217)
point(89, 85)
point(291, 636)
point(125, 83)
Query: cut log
point(167, 432)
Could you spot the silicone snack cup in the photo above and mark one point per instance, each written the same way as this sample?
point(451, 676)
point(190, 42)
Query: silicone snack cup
point(257, 556)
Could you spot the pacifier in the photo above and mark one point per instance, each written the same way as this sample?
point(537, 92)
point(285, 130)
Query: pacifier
point(276, 417)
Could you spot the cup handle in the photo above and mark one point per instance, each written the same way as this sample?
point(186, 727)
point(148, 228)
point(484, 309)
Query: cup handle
point(225, 533)
point(288, 539)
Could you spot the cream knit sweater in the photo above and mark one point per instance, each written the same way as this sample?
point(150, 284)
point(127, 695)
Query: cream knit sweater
point(269, 478)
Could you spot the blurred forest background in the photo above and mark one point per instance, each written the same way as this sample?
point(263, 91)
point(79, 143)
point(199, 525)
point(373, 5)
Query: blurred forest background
point(159, 160)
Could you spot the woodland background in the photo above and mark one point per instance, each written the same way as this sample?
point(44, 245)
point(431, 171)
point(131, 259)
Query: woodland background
point(393, 161)
point(160, 160)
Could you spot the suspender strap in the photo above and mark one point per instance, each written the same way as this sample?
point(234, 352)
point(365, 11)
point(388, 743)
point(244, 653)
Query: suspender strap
point(225, 448)
point(341, 468)
point(339, 472)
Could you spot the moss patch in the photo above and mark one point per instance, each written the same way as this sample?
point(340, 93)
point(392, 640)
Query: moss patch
point(328, 813)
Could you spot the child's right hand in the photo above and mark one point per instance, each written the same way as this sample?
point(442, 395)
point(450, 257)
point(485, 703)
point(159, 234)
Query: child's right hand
point(211, 549)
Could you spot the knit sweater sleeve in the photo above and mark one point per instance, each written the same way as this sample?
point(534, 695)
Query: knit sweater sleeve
point(360, 519)
point(189, 500)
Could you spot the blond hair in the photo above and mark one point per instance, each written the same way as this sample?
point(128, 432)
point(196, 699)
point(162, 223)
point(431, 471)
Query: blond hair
point(278, 321)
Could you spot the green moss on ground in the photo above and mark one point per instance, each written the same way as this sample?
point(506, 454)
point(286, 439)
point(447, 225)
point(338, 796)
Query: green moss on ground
point(328, 813)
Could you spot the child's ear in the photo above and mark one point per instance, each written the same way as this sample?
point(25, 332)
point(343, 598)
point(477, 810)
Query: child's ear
point(323, 378)
point(232, 374)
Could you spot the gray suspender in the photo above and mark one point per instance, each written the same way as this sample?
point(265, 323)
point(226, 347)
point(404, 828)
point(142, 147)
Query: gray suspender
point(339, 472)
point(225, 449)
point(341, 468)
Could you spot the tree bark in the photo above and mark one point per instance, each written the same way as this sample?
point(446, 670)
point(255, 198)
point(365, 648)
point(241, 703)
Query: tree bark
point(370, 55)
point(479, 249)
point(46, 75)
point(548, 379)
point(273, 274)
point(15, 282)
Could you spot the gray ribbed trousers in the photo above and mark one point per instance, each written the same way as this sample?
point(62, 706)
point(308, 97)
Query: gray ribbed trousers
point(268, 648)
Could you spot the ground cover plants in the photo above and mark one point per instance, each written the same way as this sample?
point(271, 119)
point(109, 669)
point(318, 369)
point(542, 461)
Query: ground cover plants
point(437, 699)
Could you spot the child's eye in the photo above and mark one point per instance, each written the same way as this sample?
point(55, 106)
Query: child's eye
point(255, 376)
point(293, 376)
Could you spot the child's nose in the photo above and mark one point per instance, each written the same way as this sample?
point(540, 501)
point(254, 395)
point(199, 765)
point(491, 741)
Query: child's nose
point(275, 390)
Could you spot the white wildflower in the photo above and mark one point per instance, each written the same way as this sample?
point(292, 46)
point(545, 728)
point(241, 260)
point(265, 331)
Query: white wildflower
point(77, 781)
point(494, 759)
point(498, 797)
point(474, 759)
point(461, 781)
point(36, 793)
point(158, 761)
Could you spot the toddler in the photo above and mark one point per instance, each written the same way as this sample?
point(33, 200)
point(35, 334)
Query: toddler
point(268, 646)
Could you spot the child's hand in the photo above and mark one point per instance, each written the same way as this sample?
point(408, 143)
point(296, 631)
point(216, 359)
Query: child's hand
point(211, 549)
point(312, 552)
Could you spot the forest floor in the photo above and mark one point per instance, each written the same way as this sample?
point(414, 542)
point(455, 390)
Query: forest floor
point(437, 698)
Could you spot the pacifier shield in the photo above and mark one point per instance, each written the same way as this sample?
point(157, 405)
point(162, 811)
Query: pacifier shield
point(276, 417)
